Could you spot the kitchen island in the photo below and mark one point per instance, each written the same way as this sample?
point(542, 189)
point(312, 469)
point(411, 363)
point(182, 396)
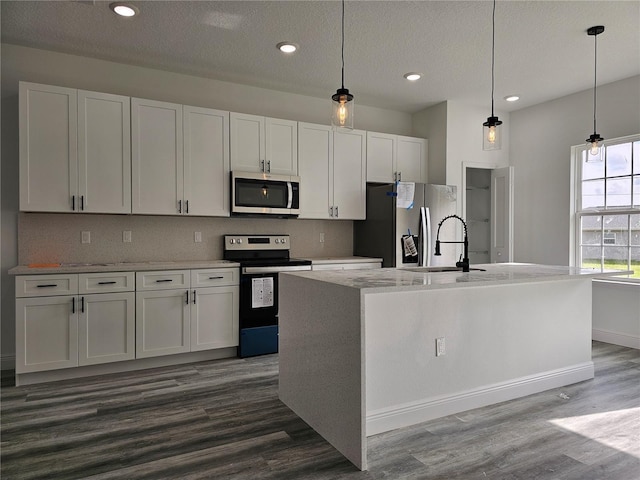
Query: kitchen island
point(364, 352)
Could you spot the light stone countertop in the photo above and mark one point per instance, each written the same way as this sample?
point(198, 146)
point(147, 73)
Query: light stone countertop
point(398, 280)
point(122, 267)
point(333, 260)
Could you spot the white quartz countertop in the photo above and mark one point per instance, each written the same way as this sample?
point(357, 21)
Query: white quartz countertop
point(334, 260)
point(397, 279)
point(122, 267)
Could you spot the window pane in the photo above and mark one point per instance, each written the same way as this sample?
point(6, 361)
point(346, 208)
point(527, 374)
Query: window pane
point(618, 160)
point(636, 157)
point(593, 194)
point(591, 231)
point(635, 230)
point(616, 230)
point(591, 257)
point(616, 258)
point(635, 262)
point(636, 189)
point(619, 192)
point(591, 170)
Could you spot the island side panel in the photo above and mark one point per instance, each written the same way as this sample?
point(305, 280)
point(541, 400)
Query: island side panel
point(501, 342)
point(321, 361)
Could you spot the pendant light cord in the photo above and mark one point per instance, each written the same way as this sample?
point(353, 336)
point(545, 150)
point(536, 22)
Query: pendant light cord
point(595, 73)
point(343, 44)
point(493, 48)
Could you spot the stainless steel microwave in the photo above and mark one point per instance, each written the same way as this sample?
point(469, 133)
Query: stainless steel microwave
point(265, 194)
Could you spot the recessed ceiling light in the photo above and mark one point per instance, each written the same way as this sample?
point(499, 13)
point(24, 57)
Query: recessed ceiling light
point(287, 47)
point(512, 98)
point(412, 76)
point(124, 9)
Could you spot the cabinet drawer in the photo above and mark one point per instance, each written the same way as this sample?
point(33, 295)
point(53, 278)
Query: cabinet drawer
point(106, 282)
point(214, 277)
point(162, 280)
point(46, 285)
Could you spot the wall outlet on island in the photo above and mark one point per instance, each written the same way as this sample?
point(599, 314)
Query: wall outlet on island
point(197, 237)
point(126, 236)
point(439, 346)
point(86, 237)
point(321, 237)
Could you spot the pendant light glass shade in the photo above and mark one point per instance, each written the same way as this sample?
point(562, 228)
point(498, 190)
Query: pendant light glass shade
point(491, 131)
point(594, 141)
point(342, 105)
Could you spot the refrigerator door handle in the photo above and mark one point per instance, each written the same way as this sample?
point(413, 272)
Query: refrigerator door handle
point(425, 226)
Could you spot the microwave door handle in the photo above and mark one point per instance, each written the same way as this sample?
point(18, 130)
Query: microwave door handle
point(289, 195)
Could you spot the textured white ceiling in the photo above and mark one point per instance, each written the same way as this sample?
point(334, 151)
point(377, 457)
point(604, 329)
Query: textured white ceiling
point(542, 49)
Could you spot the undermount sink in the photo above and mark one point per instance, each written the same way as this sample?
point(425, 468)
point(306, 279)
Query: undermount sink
point(439, 269)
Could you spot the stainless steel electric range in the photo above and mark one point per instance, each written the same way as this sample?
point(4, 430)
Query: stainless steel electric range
point(261, 258)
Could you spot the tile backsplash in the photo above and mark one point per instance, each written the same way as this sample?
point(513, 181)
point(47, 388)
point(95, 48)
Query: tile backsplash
point(57, 238)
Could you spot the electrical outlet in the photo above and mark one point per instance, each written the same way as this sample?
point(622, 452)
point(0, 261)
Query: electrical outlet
point(440, 346)
point(321, 237)
point(197, 237)
point(86, 237)
point(126, 236)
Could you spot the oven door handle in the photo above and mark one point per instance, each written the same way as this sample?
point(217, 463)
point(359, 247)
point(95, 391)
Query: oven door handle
point(274, 269)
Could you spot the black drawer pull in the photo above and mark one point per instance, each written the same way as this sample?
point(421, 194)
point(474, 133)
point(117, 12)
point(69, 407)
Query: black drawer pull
point(107, 283)
point(194, 297)
point(215, 278)
point(82, 308)
point(73, 305)
point(187, 298)
point(163, 280)
point(48, 285)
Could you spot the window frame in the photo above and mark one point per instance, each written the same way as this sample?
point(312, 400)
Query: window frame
point(577, 213)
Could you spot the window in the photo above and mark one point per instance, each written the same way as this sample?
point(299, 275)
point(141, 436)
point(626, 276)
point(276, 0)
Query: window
point(608, 206)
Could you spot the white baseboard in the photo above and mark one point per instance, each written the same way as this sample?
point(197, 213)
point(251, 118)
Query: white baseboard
point(400, 416)
point(616, 338)
point(7, 362)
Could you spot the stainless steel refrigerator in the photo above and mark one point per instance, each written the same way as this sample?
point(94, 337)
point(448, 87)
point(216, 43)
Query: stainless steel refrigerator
point(392, 228)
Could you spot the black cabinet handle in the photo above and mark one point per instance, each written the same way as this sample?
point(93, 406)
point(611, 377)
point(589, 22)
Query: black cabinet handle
point(48, 285)
point(215, 278)
point(82, 308)
point(163, 280)
point(187, 206)
point(73, 203)
point(107, 283)
point(82, 202)
point(194, 297)
point(187, 298)
point(73, 305)
point(179, 206)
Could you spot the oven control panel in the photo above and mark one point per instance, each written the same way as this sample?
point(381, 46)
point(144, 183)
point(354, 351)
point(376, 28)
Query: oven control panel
point(256, 242)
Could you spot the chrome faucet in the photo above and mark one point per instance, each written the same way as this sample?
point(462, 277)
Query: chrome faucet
point(464, 262)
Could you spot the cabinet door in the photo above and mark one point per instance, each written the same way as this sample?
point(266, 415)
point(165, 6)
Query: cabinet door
point(46, 333)
point(381, 157)
point(315, 154)
point(157, 157)
point(48, 148)
point(162, 323)
point(411, 163)
point(247, 142)
point(214, 318)
point(349, 175)
point(106, 328)
point(104, 153)
point(206, 162)
point(281, 137)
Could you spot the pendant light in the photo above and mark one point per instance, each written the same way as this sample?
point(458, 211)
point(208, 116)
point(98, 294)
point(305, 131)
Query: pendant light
point(342, 104)
point(594, 140)
point(491, 128)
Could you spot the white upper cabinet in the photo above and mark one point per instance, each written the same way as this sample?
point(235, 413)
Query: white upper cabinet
point(349, 174)
point(74, 150)
point(263, 145)
point(332, 171)
point(392, 158)
point(157, 157)
point(206, 162)
point(315, 154)
point(411, 160)
point(104, 153)
point(180, 159)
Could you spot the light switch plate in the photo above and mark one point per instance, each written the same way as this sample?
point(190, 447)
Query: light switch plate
point(439, 346)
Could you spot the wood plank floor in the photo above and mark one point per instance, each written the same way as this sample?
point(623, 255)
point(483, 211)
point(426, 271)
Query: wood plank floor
point(223, 420)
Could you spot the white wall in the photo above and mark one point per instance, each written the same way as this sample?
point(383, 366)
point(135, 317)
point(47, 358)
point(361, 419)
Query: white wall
point(41, 66)
point(540, 150)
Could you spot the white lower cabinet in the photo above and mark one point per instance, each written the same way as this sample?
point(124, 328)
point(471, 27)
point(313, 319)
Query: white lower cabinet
point(46, 333)
point(162, 322)
point(214, 318)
